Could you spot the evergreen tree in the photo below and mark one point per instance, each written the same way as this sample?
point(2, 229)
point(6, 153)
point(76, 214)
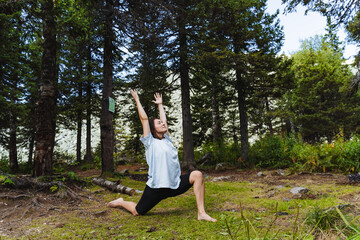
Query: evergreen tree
point(10, 74)
point(20, 73)
point(78, 35)
point(318, 98)
point(45, 111)
point(147, 41)
point(210, 67)
point(331, 36)
point(106, 118)
point(253, 35)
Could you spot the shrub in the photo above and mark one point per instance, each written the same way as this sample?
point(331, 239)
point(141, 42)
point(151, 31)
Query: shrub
point(349, 156)
point(4, 164)
point(272, 152)
point(222, 153)
point(337, 156)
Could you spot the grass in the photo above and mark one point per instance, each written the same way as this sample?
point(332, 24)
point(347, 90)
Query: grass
point(245, 210)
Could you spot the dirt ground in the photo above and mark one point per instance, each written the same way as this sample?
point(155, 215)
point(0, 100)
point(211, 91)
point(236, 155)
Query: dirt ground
point(19, 207)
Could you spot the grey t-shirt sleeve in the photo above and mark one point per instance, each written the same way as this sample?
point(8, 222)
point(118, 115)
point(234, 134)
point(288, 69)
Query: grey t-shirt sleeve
point(147, 141)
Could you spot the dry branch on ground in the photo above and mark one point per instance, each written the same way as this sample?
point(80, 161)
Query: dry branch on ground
point(114, 186)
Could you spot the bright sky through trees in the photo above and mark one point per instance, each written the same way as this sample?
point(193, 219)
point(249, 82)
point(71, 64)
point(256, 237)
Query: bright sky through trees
point(298, 26)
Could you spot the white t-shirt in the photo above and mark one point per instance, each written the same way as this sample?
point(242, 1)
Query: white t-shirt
point(163, 160)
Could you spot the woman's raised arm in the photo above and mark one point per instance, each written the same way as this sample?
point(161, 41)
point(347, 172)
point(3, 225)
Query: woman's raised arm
point(142, 114)
point(159, 102)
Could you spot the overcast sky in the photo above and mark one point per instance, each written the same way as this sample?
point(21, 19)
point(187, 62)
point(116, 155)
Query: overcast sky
point(298, 27)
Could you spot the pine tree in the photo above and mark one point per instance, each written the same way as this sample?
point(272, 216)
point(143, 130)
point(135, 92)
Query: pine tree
point(318, 99)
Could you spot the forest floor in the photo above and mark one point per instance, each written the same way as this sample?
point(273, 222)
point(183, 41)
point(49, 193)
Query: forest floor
point(234, 197)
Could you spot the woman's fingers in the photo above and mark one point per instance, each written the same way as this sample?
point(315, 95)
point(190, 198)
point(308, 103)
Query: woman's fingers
point(157, 95)
point(134, 94)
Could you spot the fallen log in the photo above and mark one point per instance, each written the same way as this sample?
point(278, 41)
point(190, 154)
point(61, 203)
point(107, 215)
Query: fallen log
point(114, 186)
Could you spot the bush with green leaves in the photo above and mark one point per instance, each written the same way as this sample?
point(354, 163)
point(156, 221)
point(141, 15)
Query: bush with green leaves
point(4, 164)
point(272, 151)
point(5, 180)
point(24, 167)
point(349, 157)
point(339, 155)
point(222, 153)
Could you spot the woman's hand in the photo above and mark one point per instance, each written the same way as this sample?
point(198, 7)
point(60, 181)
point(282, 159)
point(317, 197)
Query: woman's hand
point(134, 94)
point(158, 98)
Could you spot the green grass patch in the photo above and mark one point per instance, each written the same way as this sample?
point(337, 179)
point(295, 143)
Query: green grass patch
point(245, 210)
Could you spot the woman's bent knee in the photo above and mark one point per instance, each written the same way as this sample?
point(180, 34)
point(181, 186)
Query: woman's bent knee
point(195, 176)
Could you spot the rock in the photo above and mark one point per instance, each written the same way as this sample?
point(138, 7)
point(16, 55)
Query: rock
point(341, 207)
point(282, 213)
point(100, 213)
point(219, 166)
point(354, 177)
point(152, 229)
point(59, 225)
point(271, 194)
point(279, 172)
point(124, 172)
point(299, 190)
point(221, 178)
point(261, 174)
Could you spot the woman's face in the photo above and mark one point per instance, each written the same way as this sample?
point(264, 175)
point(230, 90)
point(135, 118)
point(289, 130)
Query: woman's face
point(160, 127)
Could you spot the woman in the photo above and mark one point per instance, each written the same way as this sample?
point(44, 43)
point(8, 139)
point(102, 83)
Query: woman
point(164, 169)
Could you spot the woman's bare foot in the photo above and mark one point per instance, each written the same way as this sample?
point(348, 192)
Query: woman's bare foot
point(204, 216)
point(116, 203)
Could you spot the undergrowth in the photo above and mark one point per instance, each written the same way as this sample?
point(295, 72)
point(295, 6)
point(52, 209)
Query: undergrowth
point(274, 151)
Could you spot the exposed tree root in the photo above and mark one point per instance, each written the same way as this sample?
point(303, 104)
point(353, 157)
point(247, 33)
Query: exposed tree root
point(25, 182)
point(34, 203)
point(9, 213)
point(16, 197)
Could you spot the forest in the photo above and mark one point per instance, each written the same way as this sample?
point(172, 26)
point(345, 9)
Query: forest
point(233, 100)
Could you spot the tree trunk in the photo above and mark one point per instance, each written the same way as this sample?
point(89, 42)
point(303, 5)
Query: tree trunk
point(14, 166)
point(106, 120)
point(79, 127)
point(241, 87)
point(45, 110)
point(88, 155)
point(215, 114)
point(79, 115)
point(244, 135)
point(188, 144)
point(31, 148)
point(268, 118)
point(32, 130)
